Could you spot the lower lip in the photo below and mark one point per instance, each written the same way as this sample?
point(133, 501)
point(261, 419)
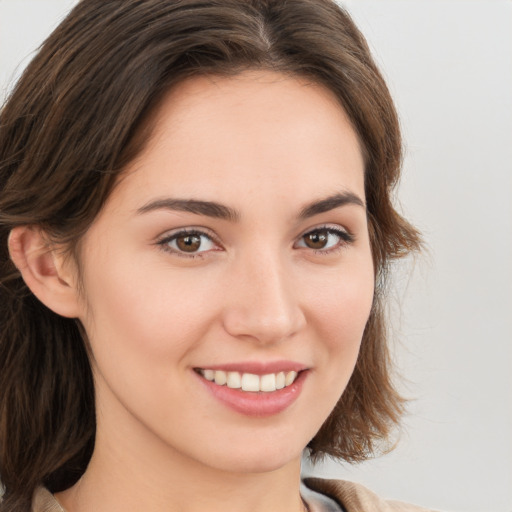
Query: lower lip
point(259, 404)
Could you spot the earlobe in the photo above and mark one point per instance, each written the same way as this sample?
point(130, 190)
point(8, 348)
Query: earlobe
point(44, 271)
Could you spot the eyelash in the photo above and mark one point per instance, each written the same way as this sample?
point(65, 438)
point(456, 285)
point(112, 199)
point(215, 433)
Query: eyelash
point(345, 238)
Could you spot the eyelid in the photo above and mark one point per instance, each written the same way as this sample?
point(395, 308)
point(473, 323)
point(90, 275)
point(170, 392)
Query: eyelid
point(200, 230)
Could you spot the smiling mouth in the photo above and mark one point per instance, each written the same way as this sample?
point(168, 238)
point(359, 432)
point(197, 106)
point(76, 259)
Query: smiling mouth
point(249, 381)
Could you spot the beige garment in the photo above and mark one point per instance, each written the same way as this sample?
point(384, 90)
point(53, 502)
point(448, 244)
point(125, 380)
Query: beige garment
point(357, 498)
point(44, 501)
point(353, 497)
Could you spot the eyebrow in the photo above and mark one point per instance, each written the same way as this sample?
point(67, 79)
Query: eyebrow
point(208, 208)
point(220, 211)
point(330, 203)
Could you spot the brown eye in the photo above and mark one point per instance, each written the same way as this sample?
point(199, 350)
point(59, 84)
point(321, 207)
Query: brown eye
point(317, 239)
point(325, 239)
point(188, 243)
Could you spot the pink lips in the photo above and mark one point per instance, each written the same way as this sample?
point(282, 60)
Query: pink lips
point(258, 404)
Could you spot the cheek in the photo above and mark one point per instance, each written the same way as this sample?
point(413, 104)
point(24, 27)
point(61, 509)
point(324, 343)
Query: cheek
point(342, 311)
point(149, 314)
point(337, 314)
point(144, 331)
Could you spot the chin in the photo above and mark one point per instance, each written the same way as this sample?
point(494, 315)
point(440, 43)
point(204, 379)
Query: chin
point(258, 458)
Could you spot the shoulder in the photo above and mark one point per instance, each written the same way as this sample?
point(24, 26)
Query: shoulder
point(355, 497)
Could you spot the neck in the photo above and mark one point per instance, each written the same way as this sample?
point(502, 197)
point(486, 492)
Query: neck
point(185, 491)
point(124, 475)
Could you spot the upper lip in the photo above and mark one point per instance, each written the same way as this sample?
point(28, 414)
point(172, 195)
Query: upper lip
point(258, 367)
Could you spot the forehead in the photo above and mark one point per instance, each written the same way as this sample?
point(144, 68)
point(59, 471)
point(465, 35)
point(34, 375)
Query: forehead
point(214, 135)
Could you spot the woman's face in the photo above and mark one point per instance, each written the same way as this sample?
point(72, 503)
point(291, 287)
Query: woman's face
point(234, 248)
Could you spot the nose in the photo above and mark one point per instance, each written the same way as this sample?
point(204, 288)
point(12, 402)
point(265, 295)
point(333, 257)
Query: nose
point(263, 304)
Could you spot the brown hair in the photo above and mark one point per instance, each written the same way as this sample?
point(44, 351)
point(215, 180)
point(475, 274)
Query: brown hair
point(80, 113)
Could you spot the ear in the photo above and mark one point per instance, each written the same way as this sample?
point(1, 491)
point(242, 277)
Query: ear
point(44, 270)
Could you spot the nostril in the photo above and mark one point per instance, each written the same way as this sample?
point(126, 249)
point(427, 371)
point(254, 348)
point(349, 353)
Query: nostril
point(265, 329)
point(261, 302)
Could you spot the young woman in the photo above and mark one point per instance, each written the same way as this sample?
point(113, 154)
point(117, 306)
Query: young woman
point(195, 229)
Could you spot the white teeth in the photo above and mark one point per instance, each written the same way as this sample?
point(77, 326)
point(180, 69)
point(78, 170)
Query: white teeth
point(209, 374)
point(249, 381)
point(220, 377)
point(234, 380)
point(268, 382)
point(290, 377)
point(280, 380)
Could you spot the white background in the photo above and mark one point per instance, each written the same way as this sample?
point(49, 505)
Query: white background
point(449, 66)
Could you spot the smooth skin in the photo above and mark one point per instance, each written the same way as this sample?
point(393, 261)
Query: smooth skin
point(269, 277)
